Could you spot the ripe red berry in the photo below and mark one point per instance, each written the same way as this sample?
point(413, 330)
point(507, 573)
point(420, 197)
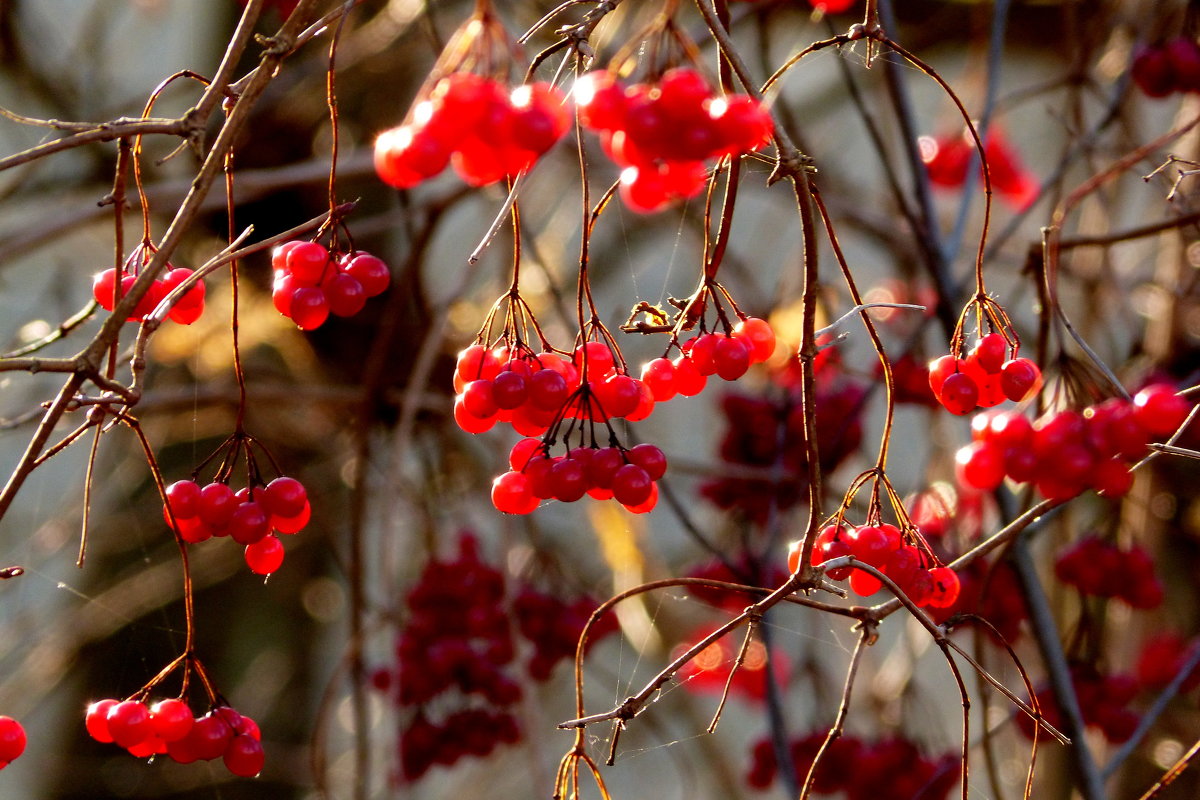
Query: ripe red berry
point(631, 485)
point(688, 380)
point(1020, 379)
point(946, 587)
point(760, 335)
point(184, 498)
point(217, 504)
point(980, 465)
point(129, 723)
point(371, 272)
point(209, 737)
point(170, 720)
point(295, 523)
point(345, 295)
point(512, 494)
point(309, 307)
point(731, 357)
point(96, 720)
point(283, 497)
point(264, 556)
point(659, 375)
point(959, 393)
point(990, 353)
point(244, 756)
point(12, 740)
point(1159, 410)
point(650, 458)
point(249, 523)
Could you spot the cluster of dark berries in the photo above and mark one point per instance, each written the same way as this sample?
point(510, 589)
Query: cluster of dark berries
point(246, 516)
point(310, 282)
point(947, 159)
point(987, 377)
point(12, 741)
point(661, 133)
point(187, 309)
point(887, 769)
point(466, 732)
point(1066, 452)
point(767, 433)
point(1162, 657)
point(1103, 701)
point(455, 651)
point(884, 547)
point(553, 627)
point(481, 126)
point(628, 476)
point(1103, 569)
point(1166, 67)
point(168, 727)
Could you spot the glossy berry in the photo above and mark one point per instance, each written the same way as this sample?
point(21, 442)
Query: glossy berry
point(265, 555)
point(244, 756)
point(96, 720)
point(170, 720)
point(512, 494)
point(12, 740)
point(129, 723)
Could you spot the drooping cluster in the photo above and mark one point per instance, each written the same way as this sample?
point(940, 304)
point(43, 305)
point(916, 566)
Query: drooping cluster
point(186, 310)
point(1165, 67)
point(539, 393)
point(947, 159)
point(884, 547)
point(311, 282)
point(168, 728)
point(486, 130)
point(1067, 452)
point(1104, 569)
point(455, 655)
point(1103, 701)
point(891, 768)
point(628, 476)
point(766, 433)
point(986, 377)
point(662, 133)
point(251, 517)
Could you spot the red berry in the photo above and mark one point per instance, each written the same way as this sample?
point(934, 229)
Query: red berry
point(129, 723)
point(244, 756)
point(209, 737)
point(568, 479)
point(294, 523)
point(368, 270)
point(522, 451)
point(940, 369)
point(650, 458)
point(1020, 379)
point(309, 308)
point(96, 720)
point(959, 394)
point(1159, 410)
point(759, 334)
point(946, 587)
point(307, 262)
point(659, 375)
point(731, 357)
point(264, 556)
point(217, 504)
point(631, 485)
point(171, 720)
point(688, 380)
point(980, 465)
point(249, 523)
point(990, 353)
point(283, 497)
point(647, 505)
point(184, 499)
point(12, 739)
point(512, 494)
point(345, 295)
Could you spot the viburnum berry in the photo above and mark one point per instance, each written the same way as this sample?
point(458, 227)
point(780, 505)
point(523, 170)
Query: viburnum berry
point(959, 394)
point(171, 720)
point(129, 723)
point(12, 740)
point(265, 555)
point(244, 756)
point(512, 493)
point(96, 720)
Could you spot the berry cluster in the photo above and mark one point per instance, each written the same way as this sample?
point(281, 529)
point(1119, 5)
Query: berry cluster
point(661, 133)
point(1103, 569)
point(986, 377)
point(628, 476)
point(1068, 451)
point(12, 741)
point(455, 650)
point(1166, 67)
point(1103, 701)
point(886, 769)
point(487, 131)
point(311, 282)
point(168, 727)
point(1162, 657)
point(186, 311)
point(882, 546)
point(553, 628)
point(767, 433)
point(947, 159)
point(248, 516)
